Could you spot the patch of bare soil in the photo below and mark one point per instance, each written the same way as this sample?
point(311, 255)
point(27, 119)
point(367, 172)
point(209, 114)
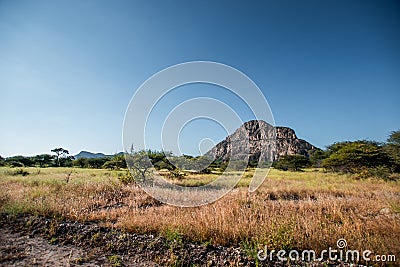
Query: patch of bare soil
point(23, 250)
point(27, 240)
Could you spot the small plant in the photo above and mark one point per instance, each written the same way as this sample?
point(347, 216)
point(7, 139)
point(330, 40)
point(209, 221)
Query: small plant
point(78, 260)
point(208, 242)
point(380, 172)
point(250, 248)
point(95, 236)
point(177, 174)
point(109, 246)
point(53, 240)
point(173, 238)
point(282, 236)
point(395, 207)
point(126, 177)
point(115, 260)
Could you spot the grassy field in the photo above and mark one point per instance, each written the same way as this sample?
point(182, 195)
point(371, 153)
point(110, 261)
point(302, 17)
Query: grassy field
point(302, 210)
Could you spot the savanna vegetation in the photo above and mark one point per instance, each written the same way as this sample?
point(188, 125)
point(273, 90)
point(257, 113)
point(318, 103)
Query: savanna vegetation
point(292, 210)
point(350, 190)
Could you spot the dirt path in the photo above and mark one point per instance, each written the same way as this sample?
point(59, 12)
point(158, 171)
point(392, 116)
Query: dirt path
point(22, 250)
point(27, 247)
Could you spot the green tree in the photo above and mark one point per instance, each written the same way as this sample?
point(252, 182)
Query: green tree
point(157, 156)
point(355, 157)
point(80, 162)
point(116, 163)
point(394, 138)
point(60, 153)
point(66, 161)
point(43, 160)
point(20, 161)
point(392, 149)
point(96, 163)
point(292, 163)
point(317, 156)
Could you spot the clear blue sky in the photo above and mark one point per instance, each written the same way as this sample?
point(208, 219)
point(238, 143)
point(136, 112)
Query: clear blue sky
point(329, 69)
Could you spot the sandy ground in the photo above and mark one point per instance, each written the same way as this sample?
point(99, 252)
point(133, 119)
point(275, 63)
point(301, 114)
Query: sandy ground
point(17, 249)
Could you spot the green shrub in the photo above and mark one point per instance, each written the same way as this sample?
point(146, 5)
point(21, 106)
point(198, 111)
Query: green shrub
point(125, 177)
point(176, 174)
point(159, 165)
point(381, 172)
point(14, 164)
point(115, 261)
point(19, 171)
point(173, 238)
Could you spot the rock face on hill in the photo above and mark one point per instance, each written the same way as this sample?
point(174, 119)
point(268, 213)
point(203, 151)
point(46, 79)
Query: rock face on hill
point(264, 140)
point(287, 143)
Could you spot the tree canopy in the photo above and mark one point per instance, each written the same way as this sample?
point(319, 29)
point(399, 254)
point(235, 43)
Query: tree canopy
point(354, 157)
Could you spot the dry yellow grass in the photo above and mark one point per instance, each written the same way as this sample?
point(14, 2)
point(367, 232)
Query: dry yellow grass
point(308, 210)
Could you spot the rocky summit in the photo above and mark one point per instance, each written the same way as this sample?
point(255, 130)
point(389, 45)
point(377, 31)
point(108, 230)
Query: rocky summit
point(261, 141)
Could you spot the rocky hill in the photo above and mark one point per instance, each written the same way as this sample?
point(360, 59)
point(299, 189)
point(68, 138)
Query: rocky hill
point(261, 136)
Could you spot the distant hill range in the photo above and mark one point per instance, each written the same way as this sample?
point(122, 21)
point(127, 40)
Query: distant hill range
point(90, 155)
point(260, 136)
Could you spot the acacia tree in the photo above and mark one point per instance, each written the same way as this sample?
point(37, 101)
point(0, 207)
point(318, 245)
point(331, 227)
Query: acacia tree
point(140, 165)
point(355, 156)
point(394, 138)
point(60, 154)
point(392, 149)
